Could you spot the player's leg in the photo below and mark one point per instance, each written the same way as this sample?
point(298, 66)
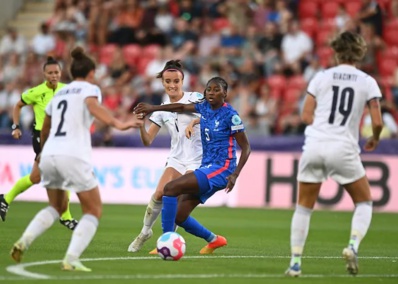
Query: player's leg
point(186, 205)
point(66, 218)
point(83, 234)
point(20, 186)
point(41, 222)
point(361, 219)
point(186, 184)
point(308, 193)
point(153, 210)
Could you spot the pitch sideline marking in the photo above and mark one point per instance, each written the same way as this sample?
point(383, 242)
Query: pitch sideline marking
point(19, 269)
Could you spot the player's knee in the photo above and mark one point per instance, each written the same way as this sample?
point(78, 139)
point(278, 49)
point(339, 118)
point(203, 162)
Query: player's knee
point(34, 178)
point(60, 207)
point(169, 189)
point(158, 195)
point(95, 211)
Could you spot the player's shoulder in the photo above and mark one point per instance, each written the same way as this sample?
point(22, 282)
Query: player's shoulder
point(36, 89)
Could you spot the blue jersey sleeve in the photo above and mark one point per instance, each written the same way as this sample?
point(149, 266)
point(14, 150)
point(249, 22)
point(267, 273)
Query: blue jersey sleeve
point(200, 107)
point(236, 123)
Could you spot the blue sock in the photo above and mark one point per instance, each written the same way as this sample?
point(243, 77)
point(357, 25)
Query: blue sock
point(195, 228)
point(169, 212)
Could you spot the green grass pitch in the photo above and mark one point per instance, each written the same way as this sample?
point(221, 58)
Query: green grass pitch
point(257, 251)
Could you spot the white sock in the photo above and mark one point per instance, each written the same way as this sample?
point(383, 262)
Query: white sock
point(299, 232)
point(43, 220)
point(360, 223)
point(151, 214)
point(81, 237)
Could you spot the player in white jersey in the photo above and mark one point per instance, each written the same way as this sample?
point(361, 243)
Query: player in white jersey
point(65, 161)
point(185, 154)
point(332, 110)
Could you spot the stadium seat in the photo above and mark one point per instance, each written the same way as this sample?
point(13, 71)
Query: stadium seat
point(329, 9)
point(387, 67)
point(324, 53)
point(308, 9)
point(309, 26)
point(352, 7)
point(296, 82)
point(131, 53)
point(142, 64)
point(390, 32)
point(106, 53)
point(322, 37)
point(291, 96)
point(277, 84)
point(390, 53)
point(151, 51)
point(220, 23)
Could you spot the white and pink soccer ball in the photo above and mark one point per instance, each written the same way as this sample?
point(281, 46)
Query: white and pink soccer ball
point(171, 246)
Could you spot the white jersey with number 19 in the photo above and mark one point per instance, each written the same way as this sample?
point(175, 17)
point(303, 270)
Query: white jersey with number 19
point(71, 121)
point(341, 94)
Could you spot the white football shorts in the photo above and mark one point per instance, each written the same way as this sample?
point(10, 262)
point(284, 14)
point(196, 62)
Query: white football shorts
point(181, 167)
point(338, 160)
point(67, 173)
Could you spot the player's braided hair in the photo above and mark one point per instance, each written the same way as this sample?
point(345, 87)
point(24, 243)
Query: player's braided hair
point(82, 64)
point(171, 65)
point(51, 61)
point(220, 81)
point(349, 47)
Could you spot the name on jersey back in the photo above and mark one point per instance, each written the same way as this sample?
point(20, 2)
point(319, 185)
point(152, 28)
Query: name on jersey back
point(73, 91)
point(345, 76)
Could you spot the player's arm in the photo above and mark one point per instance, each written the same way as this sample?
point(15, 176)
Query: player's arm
point(377, 124)
point(147, 137)
point(190, 128)
point(45, 131)
point(307, 116)
point(243, 142)
point(103, 115)
point(16, 113)
point(144, 109)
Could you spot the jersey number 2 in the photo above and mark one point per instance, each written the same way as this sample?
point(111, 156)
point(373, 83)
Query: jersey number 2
point(64, 106)
point(345, 108)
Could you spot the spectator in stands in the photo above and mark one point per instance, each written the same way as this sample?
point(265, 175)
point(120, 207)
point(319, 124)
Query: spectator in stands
point(291, 123)
point(394, 87)
point(44, 41)
point(12, 42)
point(31, 70)
point(12, 69)
point(269, 45)
point(181, 34)
point(374, 44)
point(313, 68)
point(371, 13)
point(296, 47)
point(266, 111)
point(209, 41)
point(164, 19)
point(390, 128)
point(341, 18)
point(9, 96)
point(394, 9)
point(118, 69)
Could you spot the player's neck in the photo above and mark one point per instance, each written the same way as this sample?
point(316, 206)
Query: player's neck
point(174, 99)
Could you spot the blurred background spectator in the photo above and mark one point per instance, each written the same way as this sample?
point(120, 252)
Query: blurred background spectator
point(268, 50)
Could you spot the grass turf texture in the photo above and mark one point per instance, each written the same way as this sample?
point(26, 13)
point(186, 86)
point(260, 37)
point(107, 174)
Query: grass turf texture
point(257, 252)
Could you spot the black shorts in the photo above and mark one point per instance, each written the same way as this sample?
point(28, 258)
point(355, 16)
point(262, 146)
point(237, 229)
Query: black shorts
point(36, 142)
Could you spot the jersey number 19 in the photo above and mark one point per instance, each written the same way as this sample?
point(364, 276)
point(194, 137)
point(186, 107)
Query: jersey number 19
point(345, 108)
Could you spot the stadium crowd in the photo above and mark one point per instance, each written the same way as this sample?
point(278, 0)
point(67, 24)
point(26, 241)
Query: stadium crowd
point(267, 50)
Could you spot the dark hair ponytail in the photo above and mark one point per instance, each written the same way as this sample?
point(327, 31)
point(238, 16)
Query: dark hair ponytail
point(51, 61)
point(82, 64)
point(172, 65)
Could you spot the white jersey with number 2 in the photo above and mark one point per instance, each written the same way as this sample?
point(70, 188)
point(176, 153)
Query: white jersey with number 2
point(341, 94)
point(71, 121)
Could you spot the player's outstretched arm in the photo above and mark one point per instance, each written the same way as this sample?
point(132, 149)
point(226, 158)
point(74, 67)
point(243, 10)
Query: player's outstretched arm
point(147, 137)
point(16, 113)
point(243, 142)
point(144, 109)
point(103, 115)
point(377, 124)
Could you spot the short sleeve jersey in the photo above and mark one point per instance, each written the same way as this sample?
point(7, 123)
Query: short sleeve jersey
point(184, 150)
point(71, 121)
point(39, 97)
point(341, 94)
point(217, 129)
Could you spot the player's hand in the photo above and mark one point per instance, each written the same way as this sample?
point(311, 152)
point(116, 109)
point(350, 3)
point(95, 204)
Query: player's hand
point(371, 144)
point(142, 109)
point(189, 130)
point(231, 182)
point(16, 133)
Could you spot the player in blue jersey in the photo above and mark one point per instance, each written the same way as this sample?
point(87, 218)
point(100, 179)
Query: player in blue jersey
point(221, 128)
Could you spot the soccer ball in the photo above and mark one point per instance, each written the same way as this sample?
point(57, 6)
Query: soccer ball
point(171, 246)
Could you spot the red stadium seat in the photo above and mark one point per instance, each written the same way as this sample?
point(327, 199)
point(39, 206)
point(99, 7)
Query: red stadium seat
point(324, 54)
point(220, 24)
point(390, 53)
point(352, 7)
point(291, 95)
point(296, 82)
point(106, 53)
point(131, 53)
point(277, 84)
point(323, 37)
point(308, 9)
point(309, 26)
point(387, 67)
point(390, 32)
point(151, 51)
point(329, 9)
point(142, 64)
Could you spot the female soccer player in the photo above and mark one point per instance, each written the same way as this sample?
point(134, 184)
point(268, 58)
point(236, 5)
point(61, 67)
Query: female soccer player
point(221, 127)
point(185, 154)
point(332, 110)
point(38, 97)
point(65, 162)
